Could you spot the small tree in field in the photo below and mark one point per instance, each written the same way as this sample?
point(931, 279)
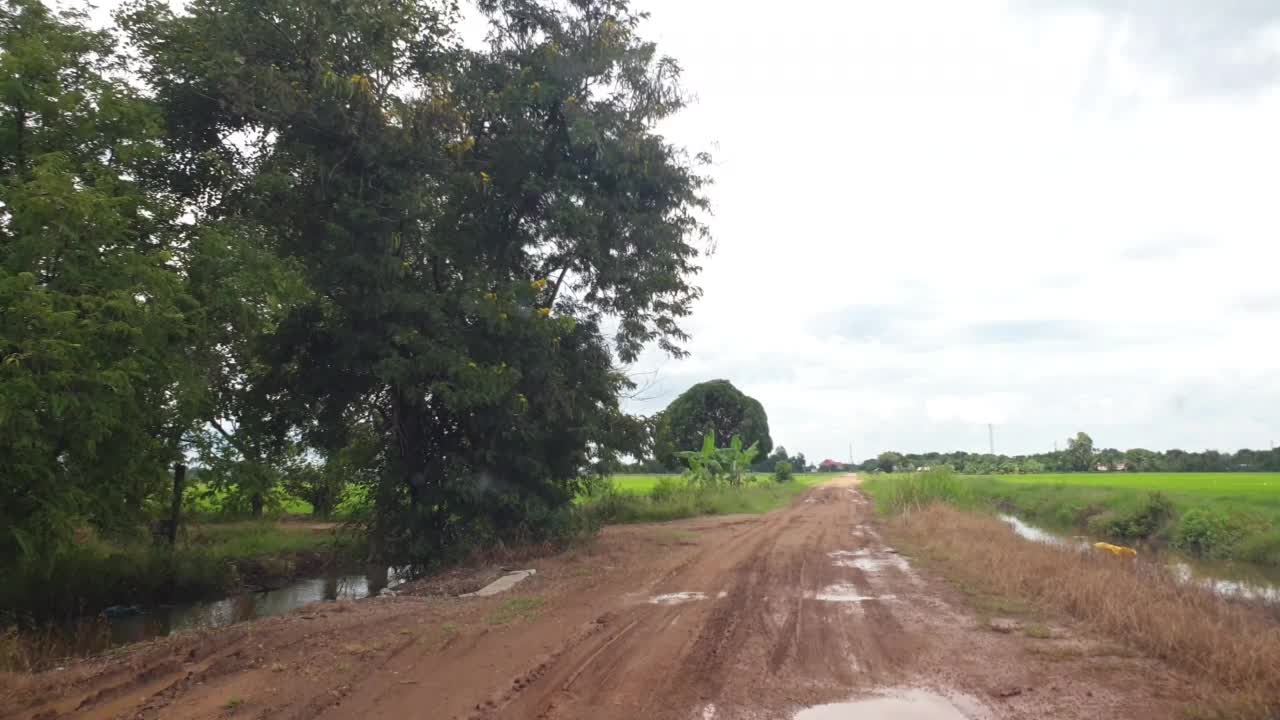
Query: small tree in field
point(782, 471)
point(712, 466)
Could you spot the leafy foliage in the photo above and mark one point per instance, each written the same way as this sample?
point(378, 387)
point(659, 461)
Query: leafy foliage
point(465, 220)
point(1210, 533)
point(93, 313)
point(782, 471)
point(331, 248)
point(715, 407)
point(712, 466)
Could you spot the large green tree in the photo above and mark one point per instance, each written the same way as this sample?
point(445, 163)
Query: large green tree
point(466, 221)
point(94, 317)
point(713, 406)
point(1079, 454)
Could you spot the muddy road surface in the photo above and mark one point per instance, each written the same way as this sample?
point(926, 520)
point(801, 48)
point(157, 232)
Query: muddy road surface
point(706, 619)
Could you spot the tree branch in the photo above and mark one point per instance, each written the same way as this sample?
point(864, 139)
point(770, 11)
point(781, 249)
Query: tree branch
point(555, 289)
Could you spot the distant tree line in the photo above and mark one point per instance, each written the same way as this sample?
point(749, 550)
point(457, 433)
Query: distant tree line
point(1079, 455)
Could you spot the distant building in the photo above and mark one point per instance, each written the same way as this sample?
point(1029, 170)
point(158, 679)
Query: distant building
point(1102, 467)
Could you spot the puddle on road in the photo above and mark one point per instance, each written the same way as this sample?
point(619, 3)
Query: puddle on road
point(869, 562)
point(899, 705)
point(677, 598)
point(847, 594)
point(875, 565)
point(847, 553)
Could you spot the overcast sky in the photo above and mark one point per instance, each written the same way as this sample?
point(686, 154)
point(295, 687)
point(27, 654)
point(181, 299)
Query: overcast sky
point(1050, 215)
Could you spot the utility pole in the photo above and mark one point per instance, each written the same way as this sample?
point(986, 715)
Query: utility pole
point(850, 453)
point(991, 437)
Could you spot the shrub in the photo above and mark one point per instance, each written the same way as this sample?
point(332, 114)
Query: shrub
point(1262, 548)
point(1209, 533)
point(666, 488)
point(782, 471)
point(1141, 523)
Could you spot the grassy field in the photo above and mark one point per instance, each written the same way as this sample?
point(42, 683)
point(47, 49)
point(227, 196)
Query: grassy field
point(1223, 516)
point(647, 498)
point(641, 484)
point(1255, 487)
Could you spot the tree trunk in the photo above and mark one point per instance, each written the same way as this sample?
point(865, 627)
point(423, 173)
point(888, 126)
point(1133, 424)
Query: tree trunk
point(175, 509)
point(256, 503)
point(384, 509)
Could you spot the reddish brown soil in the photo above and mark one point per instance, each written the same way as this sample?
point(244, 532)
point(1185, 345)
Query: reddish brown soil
point(582, 639)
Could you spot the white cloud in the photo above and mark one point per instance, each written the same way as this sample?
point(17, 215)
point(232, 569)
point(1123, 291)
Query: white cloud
point(935, 215)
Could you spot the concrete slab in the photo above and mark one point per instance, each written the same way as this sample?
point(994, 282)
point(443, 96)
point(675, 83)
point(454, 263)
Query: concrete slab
point(502, 584)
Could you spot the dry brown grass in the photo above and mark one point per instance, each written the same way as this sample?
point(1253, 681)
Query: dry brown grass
point(40, 648)
point(1235, 645)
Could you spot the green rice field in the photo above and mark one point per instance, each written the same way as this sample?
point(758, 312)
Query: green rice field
point(1214, 515)
point(1263, 487)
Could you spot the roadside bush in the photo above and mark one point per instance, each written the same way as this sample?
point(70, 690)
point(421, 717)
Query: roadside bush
point(1262, 548)
point(1209, 533)
point(782, 471)
point(1144, 522)
point(666, 488)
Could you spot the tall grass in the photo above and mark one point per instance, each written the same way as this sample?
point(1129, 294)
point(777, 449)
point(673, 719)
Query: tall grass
point(1235, 645)
point(895, 494)
point(671, 499)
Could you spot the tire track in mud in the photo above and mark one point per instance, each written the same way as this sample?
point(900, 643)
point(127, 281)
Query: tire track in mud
point(617, 671)
point(760, 631)
point(759, 618)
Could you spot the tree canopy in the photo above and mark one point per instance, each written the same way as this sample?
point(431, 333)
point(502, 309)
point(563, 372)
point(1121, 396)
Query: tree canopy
point(715, 406)
point(296, 232)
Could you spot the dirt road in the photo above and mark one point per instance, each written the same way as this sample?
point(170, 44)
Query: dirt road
point(716, 618)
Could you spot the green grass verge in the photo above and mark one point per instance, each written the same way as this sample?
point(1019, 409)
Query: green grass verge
point(515, 609)
point(1222, 516)
point(668, 498)
point(643, 484)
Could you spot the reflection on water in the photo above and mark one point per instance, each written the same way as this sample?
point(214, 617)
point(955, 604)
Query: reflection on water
point(1241, 580)
point(1031, 532)
point(1250, 583)
point(157, 622)
point(908, 704)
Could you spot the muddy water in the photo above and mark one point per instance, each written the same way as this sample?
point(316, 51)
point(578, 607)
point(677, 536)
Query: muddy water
point(1228, 579)
point(157, 622)
point(899, 705)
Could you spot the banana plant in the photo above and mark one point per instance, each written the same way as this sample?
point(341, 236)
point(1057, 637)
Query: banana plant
point(737, 461)
point(712, 466)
